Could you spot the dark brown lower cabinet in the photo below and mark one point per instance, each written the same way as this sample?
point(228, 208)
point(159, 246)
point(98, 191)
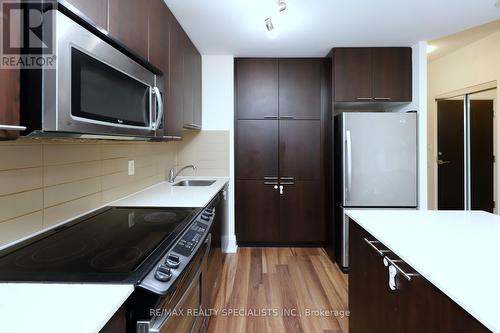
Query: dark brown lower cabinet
point(257, 211)
point(415, 306)
point(302, 213)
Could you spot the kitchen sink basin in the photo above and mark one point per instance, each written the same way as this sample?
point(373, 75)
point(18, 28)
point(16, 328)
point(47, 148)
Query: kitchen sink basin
point(194, 182)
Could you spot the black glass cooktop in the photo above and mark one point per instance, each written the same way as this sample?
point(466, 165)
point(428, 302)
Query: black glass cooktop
point(111, 245)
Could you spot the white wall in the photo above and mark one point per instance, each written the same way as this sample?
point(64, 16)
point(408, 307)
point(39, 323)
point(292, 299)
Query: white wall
point(218, 114)
point(419, 104)
point(474, 64)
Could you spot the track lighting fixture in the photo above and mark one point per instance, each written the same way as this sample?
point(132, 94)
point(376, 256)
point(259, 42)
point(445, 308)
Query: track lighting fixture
point(269, 24)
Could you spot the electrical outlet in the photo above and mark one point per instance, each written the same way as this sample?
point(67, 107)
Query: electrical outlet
point(131, 168)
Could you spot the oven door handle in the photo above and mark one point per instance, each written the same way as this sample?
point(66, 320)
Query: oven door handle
point(155, 325)
point(159, 103)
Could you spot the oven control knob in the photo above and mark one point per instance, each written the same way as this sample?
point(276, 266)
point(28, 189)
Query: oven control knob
point(163, 274)
point(172, 261)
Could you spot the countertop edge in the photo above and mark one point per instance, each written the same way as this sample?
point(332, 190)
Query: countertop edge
point(427, 275)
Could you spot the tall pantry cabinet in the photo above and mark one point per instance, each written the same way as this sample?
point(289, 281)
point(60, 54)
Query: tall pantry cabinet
point(282, 121)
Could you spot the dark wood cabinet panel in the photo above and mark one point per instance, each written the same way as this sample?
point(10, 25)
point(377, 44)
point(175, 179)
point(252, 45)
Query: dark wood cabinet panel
point(95, 10)
point(353, 74)
point(300, 88)
point(9, 101)
point(192, 86)
point(10, 91)
point(392, 74)
point(256, 88)
point(175, 95)
point(257, 149)
point(377, 74)
point(197, 117)
point(300, 149)
point(128, 22)
point(414, 306)
point(371, 302)
point(189, 84)
point(302, 212)
point(257, 211)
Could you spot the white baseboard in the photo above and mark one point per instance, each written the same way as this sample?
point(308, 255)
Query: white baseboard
point(229, 244)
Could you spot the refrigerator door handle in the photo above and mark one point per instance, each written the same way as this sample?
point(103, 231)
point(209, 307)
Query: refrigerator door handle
point(348, 167)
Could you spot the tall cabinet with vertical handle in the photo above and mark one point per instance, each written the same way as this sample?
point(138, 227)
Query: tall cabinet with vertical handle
point(281, 122)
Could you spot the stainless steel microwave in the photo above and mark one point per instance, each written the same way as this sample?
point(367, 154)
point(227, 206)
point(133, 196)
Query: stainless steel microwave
point(95, 90)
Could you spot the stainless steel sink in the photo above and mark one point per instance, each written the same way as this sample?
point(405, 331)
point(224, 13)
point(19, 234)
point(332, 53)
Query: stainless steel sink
point(195, 182)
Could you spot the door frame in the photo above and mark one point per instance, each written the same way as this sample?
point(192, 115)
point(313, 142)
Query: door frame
point(496, 124)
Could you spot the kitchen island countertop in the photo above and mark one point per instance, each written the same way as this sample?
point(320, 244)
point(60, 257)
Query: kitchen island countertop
point(457, 251)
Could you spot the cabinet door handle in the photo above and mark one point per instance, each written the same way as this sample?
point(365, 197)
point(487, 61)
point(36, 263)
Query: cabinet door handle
point(288, 183)
point(364, 98)
point(271, 183)
point(12, 128)
point(287, 178)
point(270, 117)
point(388, 261)
point(192, 126)
point(371, 244)
point(270, 178)
point(287, 117)
point(382, 98)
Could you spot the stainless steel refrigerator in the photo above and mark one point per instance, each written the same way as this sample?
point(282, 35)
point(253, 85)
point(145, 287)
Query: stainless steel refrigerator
point(375, 166)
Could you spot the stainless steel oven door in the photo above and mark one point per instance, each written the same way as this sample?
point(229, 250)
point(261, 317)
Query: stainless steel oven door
point(96, 89)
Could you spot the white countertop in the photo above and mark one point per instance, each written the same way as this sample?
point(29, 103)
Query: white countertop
point(166, 195)
point(86, 308)
point(457, 251)
point(59, 308)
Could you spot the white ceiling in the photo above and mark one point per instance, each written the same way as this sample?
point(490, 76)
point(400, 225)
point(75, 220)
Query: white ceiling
point(313, 27)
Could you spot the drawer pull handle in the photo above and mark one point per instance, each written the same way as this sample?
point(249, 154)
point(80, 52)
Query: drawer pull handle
point(12, 128)
point(371, 243)
point(382, 98)
point(364, 98)
point(388, 261)
point(270, 117)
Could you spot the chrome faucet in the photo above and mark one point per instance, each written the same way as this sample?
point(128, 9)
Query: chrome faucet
point(172, 174)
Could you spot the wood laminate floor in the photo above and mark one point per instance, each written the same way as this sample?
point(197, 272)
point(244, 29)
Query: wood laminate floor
point(280, 290)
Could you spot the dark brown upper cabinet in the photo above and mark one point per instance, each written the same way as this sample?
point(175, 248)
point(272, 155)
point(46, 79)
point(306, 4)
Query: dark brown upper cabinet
point(159, 56)
point(95, 10)
point(392, 74)
point(10, 90)
point(300, 88)
point(128, 22)
point(373, 74)
point(256, 88)
point(192, 85)
point(257, 145)
point(175, 96)
point(9, 102)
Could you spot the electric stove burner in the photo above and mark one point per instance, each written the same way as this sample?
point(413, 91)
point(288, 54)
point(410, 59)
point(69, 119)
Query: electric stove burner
point(158, 218)
point(111, 244)
point(62, 251)
point(116, 258)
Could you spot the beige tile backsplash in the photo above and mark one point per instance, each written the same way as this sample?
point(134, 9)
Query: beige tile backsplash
point(45, 183)
point(208, 150)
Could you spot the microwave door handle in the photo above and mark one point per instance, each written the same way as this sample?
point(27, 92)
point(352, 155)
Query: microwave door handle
point(159, 103)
